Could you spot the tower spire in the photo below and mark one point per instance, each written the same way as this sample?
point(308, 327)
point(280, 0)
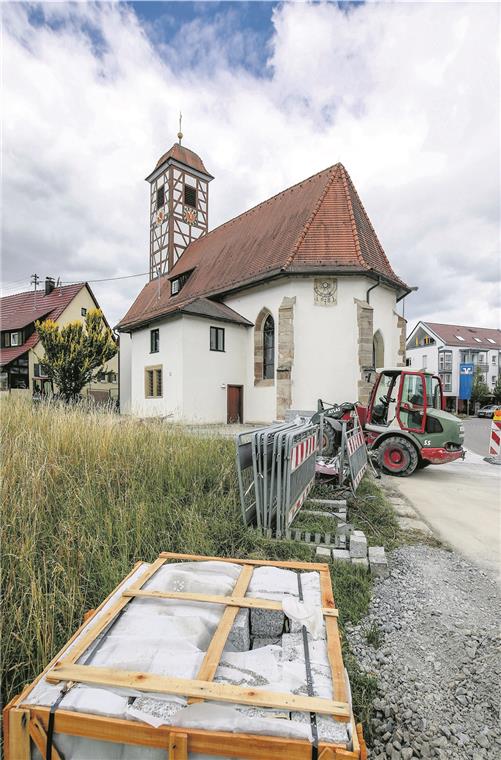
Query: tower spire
point(180, 134)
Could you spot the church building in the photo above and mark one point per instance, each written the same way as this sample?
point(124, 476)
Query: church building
point(291, 301)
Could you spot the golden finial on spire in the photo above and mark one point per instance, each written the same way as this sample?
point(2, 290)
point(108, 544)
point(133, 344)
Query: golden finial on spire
point(180, 134)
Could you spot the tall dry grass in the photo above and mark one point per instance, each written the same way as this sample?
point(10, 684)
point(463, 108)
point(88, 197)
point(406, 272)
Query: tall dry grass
point(85, 495)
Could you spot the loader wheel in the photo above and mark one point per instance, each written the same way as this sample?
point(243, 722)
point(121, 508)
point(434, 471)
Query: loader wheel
point(397, 456)
point(328, 442)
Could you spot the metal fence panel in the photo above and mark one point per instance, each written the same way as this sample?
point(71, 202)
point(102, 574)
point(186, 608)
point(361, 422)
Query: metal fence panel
point(356, 453)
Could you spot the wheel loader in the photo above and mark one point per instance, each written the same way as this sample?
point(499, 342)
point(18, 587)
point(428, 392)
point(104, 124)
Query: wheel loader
point(405, 424)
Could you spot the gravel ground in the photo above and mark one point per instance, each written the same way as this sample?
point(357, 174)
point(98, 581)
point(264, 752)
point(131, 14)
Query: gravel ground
point(437, 662)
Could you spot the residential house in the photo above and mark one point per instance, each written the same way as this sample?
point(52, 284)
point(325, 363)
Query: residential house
point(443, 348)
point(21, 353)
point(291, 301)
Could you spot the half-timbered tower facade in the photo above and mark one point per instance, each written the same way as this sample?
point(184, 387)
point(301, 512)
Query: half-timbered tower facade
point(291, 301)
point(179, 206)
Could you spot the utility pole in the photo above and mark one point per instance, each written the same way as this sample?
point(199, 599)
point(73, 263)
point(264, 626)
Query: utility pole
point(35, 279)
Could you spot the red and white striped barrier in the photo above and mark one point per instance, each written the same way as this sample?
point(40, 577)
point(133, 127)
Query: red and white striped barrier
point(302, 451)
point(495, 442)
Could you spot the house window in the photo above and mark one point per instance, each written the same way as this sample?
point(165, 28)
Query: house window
point(269, 348)
point(491, 341)
point(112, 377)
point(459, 337)
point(40, 370)
point(177, 284)
point(479, 340)
point(447, 380)
point(217, 339)
point(83, 311)
point(160, 197)
point(190, 196)
point(493, 379)
point(154, 341)
point(494, 359)
point(4, 381)
point(445, 361)
point(101, 377)
point(424, 363)
point(153, 382)
point(16, 338)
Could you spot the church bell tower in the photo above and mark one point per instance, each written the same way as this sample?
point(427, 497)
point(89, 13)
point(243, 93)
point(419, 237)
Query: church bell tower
point(179, 206)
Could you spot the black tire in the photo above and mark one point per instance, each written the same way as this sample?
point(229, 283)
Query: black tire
point(397, 456)
point(328, 444)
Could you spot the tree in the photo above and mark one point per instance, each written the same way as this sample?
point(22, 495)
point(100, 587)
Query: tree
point(480, 390)
point(74, 351)
point(497, 390)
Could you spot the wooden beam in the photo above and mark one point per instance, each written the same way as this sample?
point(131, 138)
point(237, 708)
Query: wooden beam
point(19, 735)
point(39, 738)
point(178, 746)
point(213, 654)
point(91, 634)
point(230, 601)
point(258, 562)
point(219, 692)
point(221, 743)
point(333, 641)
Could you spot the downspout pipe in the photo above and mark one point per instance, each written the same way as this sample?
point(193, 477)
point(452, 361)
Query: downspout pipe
point(367, 295)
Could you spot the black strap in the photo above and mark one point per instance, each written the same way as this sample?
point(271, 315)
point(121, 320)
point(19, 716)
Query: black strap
point(309, 678)
point(50, 727)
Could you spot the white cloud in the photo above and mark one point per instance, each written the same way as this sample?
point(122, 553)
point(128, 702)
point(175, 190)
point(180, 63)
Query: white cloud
point(406, 95)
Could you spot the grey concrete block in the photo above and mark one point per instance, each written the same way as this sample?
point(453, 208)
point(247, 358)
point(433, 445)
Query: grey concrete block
point(358, 545)
point(323, 552)
point(343, 528)
point(341, 554)
point(239, 636)
point(317, 538)
point(264, 641)
point(297, 535)
point(377, 562)
point(307, 537)
point(361, 561)
point(327, 538)
point(267, 623)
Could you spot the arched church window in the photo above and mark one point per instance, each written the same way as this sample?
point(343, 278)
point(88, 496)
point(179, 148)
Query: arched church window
point(269, 348)
point(378, 350)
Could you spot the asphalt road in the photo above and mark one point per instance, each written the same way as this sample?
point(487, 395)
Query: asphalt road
point(477, 434)
point(461, 501)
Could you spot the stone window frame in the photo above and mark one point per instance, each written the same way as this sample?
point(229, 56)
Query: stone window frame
point(153, 381)
point(259, 380)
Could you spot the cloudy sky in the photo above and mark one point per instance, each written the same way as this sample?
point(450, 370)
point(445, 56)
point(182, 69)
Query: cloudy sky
point(406, 95)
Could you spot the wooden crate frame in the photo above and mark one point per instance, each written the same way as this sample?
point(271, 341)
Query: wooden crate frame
point(25, 723)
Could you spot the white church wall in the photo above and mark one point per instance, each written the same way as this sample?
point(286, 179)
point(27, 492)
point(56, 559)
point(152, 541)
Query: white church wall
point(383, 302)
point(170, 357)
point(325, 341)
point(208, 373)
point(124, 369)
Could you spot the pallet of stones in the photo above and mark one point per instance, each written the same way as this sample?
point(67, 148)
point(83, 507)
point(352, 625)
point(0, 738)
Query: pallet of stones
point(217, 657)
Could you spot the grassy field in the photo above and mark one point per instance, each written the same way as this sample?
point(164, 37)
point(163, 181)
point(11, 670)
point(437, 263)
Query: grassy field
point(86, 494)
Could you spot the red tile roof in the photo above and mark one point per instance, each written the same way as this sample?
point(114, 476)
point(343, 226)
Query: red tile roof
point(184, 156)
point(22, 309)
point(487, 338)
point(319, 224)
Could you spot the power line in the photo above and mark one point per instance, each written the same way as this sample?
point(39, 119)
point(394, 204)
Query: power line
point(8, 285)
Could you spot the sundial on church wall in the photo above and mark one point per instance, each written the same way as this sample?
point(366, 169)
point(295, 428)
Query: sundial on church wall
point(325, 291)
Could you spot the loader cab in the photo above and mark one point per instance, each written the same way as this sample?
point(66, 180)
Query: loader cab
point(400, 399)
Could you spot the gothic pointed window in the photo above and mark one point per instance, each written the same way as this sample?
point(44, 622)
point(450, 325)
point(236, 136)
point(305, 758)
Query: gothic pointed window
point(269, 348)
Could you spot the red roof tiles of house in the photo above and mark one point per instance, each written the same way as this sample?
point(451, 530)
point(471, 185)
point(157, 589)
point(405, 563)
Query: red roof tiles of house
point(467, 337)
point(318, 225)
point(22, 309)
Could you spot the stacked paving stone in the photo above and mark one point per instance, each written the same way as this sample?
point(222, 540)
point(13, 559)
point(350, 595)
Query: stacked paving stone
point(350, 545)
point(266, 649)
